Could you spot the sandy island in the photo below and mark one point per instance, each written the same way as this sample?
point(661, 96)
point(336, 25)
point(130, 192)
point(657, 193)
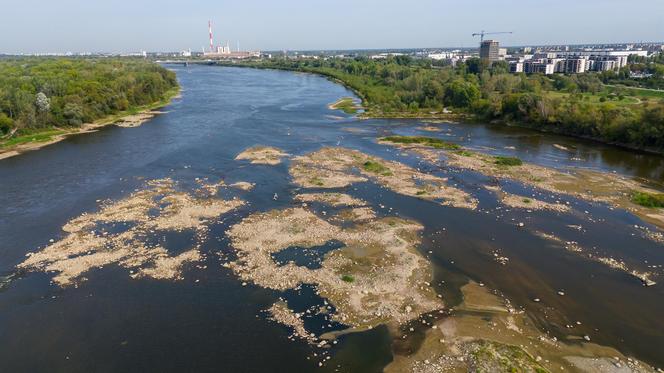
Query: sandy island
point(340, 167)
point(266, 155)
point(118, 232)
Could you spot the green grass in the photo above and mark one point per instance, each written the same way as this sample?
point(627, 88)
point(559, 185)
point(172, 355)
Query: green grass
point(421, 192)
point(422, 140)
point(348, 278)
point(640, 92)
point(619, 97)
point(37, 136)
point(464, 153)
point(508, 161)
point(648, 199)
point(376, 168)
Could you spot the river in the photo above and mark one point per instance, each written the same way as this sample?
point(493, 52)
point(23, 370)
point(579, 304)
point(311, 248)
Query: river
point(209, 322)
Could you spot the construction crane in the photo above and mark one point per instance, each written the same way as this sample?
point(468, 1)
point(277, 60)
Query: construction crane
point(482, 33)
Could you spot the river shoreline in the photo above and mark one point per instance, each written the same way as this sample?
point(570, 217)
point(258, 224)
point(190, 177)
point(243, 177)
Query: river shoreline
point(457, 117)
point(123, 119)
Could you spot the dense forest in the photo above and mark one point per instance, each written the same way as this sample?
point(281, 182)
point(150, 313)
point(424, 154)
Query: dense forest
point(580, 105)
point(40, 93)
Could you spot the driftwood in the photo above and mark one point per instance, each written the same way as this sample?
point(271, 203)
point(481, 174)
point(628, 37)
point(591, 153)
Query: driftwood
point(9, 135)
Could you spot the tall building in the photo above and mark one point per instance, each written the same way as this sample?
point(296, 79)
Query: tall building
point(490, 50)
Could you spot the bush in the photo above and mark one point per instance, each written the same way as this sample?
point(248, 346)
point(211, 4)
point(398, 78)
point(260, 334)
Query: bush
point(6, 124)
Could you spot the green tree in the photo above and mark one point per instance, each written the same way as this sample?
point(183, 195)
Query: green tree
point(6, 124)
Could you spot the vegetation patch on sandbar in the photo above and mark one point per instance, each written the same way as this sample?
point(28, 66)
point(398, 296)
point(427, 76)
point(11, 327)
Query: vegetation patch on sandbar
point(653, 200)
point(422, 140)
point(376, 168)
point(347, 105)
point(508, 161)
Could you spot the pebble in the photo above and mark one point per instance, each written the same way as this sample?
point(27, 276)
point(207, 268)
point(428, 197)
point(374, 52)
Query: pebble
point(587, 338)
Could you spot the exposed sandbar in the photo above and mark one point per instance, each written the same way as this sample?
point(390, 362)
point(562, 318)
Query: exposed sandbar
point(340, 167)
point(117, 233)
point(266, 155)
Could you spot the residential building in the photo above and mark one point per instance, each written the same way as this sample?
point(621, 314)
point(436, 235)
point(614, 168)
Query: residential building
point(539, 66)
point(516, 67)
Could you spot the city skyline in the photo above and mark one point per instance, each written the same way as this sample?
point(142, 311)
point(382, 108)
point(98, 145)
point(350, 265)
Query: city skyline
point(167, 25)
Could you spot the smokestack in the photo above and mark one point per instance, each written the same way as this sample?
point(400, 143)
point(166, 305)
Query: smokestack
point(211, 42)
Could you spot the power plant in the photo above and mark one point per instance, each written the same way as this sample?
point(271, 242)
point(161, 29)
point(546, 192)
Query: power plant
point(224, 51)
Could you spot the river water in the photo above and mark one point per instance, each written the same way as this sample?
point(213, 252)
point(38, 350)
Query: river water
point(210, 322)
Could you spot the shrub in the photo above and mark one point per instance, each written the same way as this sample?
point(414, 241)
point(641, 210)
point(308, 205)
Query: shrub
point(6, 124)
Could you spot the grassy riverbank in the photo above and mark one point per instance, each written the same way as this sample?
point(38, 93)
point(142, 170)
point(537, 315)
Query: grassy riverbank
point(31, 139)
point(578, 105)
point(44, 99)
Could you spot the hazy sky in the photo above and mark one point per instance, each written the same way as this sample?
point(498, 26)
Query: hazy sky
point(168, 25)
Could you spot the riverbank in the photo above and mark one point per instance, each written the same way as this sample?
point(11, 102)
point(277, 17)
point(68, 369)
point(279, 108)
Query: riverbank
point(605, 116)
point(130, 118)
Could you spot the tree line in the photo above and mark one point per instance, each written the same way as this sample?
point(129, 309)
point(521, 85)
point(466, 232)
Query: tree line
point(46, 92)
point(580, 105)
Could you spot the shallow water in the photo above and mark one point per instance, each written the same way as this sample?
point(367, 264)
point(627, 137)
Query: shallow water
point(114, 323)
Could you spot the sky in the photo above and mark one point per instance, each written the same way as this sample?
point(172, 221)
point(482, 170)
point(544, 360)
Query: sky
point(41, 26)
